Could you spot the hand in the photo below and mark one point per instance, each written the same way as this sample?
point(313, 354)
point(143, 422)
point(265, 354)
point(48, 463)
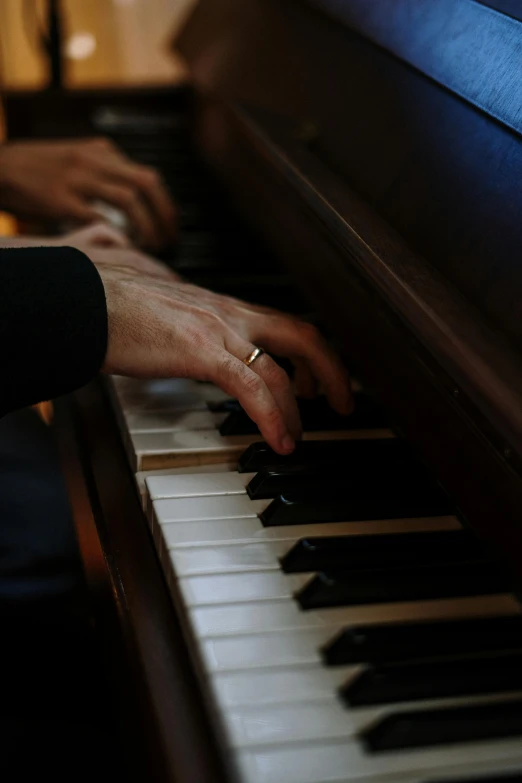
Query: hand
point(60, 180)
point(130, 261)
point(160, 329)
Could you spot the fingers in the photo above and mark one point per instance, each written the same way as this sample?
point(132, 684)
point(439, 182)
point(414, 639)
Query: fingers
point(238, 380)
point(305, 383)
point(289, 337)
point(156, 195)
point(275, 379)
point(74, 208)
point(146, 183)
point(128, 200)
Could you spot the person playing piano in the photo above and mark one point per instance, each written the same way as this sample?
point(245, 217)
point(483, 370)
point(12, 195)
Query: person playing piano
point(97, 303)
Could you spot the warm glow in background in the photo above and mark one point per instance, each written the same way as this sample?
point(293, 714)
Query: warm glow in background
point(108, 42)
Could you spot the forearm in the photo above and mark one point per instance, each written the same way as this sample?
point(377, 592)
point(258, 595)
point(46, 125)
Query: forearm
point(53, 324)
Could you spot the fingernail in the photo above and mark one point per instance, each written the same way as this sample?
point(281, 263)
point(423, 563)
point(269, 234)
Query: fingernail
point(288, 443)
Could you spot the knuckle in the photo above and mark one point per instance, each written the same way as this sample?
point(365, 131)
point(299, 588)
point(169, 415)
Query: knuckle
point(228, 370)
point(77, 157)
point(213, 321)
point(308, 332)
point(306, 335)
point(198, 341)
point(150, 177)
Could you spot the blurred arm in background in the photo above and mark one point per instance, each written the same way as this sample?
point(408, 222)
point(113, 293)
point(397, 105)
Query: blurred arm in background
point(62, 181)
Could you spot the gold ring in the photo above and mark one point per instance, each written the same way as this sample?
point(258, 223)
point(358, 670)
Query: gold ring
point(256, 353)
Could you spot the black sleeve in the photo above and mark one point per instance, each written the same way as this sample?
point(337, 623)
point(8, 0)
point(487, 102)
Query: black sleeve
point(53, 324)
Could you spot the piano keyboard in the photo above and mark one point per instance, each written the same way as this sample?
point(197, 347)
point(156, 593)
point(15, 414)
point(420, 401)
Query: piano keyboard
point(345, 624)
point(176, 423)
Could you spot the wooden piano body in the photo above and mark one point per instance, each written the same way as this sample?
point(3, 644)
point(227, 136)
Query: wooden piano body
point(375, 146)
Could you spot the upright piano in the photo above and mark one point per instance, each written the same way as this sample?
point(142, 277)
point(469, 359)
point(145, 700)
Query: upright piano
point(350, 613)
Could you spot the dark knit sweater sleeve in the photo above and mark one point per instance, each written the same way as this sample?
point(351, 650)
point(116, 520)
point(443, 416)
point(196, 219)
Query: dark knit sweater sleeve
point(53, 324)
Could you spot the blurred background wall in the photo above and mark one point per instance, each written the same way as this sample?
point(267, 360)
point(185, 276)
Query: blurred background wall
point(108, 42)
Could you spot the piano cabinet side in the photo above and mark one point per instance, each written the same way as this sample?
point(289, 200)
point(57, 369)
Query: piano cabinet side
point(167, 728)
point(465, 443)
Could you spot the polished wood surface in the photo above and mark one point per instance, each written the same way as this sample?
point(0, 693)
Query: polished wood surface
point(165, 726)
point(442, 173)
point(398, 224)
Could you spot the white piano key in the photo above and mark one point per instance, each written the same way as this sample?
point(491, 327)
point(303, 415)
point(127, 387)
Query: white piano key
point(172, 421)
point(276, 724)
point(248, 556)
point(239, 588)
point(142, 475)
point(328, 719)
point(194, 561)
point(185, 509)
point(210, 532)
point(175, 449)
point(140, 478)
point(193, 470)
point(245, 530)
point(262, 651)
point(285, 615)
point(198, 485)
point(161, 449)
point(329, 762)
point(278, 686)
point(257, 617)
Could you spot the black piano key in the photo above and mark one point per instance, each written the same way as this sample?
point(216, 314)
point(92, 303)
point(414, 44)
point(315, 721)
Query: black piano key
point(390, 684)
point(348, 501)
point(445, 726)
point(388, 472)
point(316, 415)
point(329, 481)
point(273, 481)
point(374, 452)
point(381, 551)
point(353, 588)
point(391, 642)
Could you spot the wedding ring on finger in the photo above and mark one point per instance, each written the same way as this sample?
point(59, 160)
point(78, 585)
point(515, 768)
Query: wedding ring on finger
point(256, 353)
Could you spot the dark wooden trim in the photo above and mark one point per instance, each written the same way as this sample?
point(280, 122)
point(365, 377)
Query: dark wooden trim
point(166, 724)
point(348, 275)
point(483, 367)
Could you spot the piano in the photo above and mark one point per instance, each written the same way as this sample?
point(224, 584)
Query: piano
point(350, 613)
